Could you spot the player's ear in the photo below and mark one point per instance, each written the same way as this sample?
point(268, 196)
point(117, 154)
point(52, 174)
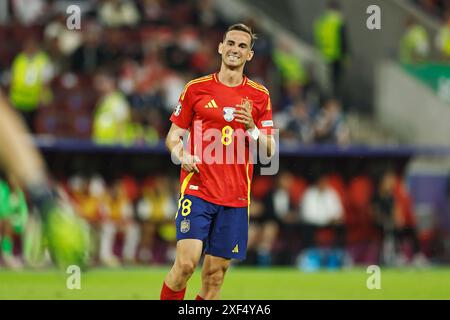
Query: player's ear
point(250, 55)
point(220, 49)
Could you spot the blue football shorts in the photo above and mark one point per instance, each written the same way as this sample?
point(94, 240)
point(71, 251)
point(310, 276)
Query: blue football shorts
point(223, 230)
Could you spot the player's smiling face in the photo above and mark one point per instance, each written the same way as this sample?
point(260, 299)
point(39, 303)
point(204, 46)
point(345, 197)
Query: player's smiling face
point(236, 49)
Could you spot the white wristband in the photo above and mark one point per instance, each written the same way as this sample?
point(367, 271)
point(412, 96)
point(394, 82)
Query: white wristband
point(254, 133)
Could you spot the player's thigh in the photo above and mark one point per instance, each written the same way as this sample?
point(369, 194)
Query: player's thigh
point(229, 235)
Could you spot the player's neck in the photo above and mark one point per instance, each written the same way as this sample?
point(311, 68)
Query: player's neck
point(229, 77)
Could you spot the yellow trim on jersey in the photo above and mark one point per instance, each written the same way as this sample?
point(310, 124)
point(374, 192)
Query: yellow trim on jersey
point(258, 88)
point(248, 193)
point(185, 182)
point(198, 80)
point(257, 84)
point(183, 189)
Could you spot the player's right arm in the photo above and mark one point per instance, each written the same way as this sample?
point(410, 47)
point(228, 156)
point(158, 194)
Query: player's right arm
point(175, 145)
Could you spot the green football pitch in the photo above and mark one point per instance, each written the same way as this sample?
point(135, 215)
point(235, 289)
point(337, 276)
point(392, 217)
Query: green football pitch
point(240, 283)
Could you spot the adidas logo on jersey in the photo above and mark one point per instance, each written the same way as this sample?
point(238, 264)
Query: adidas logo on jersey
point(211, 105)
point(236, 249)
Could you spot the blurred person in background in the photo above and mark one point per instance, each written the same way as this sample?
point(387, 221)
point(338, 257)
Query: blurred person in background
point(96, 208)
point(138, 131)
point(288, 64)
point(443, 38)
point(88, 207)
point(273, 212)
point(392, 214)
point(112, 112)
point(262, 231)
point(120, 218)
point(29, 12)
point(64, 232)
point(63, 40)
point(207, 16)
point(155, 210)
point(299, 128)
point(89, 55)
point(286, 200)
point(118, 13)
point(321, 209)
point(154, 12)
point(331, 39)
point(414, 45)
point(330, 126)
point(31, 73)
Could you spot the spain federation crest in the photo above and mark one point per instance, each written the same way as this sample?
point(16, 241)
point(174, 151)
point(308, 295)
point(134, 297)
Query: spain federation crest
point(228, 113)
point(185, 225)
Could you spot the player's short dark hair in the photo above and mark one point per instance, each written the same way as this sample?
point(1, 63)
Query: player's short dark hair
point(244, 28)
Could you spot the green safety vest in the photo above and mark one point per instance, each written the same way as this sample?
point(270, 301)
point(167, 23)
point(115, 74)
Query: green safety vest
point(444, 40)
point(109, 125)
point(327, 35)
point(415, 38)
point(28, 81)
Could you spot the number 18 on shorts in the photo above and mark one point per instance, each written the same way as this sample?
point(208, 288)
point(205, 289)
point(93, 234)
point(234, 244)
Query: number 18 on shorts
point(223, 230)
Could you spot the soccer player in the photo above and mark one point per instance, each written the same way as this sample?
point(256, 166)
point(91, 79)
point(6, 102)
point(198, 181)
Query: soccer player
point(212, 216)
point(63, 231)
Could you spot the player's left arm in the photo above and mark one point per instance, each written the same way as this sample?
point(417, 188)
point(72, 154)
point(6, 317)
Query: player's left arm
point(266, 139)
point(18, 155)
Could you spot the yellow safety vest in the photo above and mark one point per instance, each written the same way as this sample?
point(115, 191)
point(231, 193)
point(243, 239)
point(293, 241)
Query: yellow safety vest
point(444, 40)
point(413, 42)
point(28, 80)
point(110, 119)
point(290, 67)
point(136, 132)
point(327, 35)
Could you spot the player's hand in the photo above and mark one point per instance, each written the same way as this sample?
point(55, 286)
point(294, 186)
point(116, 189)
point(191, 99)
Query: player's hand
point(244, 115)
point(188, 162)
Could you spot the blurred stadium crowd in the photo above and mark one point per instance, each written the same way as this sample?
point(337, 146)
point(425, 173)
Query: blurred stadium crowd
point(437, 8)
point(118, 93)
point(117, 81)
point(363, 220)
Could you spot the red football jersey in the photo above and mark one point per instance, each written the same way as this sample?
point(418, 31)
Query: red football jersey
point(206, 107)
